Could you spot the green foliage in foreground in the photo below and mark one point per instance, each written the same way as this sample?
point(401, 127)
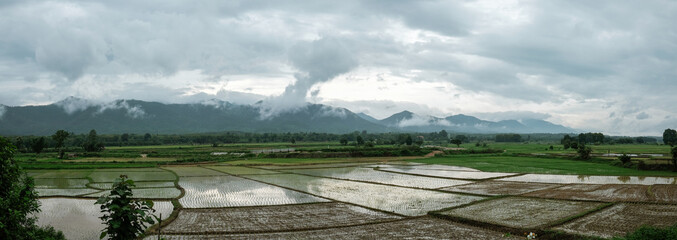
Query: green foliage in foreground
point(18, 200)
point(521, 164)
point(125, 217)
point(651, 233)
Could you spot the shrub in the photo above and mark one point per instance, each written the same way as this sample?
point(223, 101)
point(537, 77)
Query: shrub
point(584, 152)
point(651, 233)
point(125, 217)
point(624, 158)
point(641, 165)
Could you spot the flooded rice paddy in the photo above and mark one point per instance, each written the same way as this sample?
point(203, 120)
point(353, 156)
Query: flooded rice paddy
point(147, 193)
point(405, 201)
point(494, 188)
point(193, 171)
point(566, 179)
point(371, 175)
point(231, 191)
point(361, 200)
point(79, 218)
point(446, 173)
point(238, 170)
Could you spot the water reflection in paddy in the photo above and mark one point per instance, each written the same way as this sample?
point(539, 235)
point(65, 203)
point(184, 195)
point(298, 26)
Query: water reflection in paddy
point(79, 218)
point(406, 201)
point(447, 173)
point(371, 175)
point(548, 178)
point(230, 191)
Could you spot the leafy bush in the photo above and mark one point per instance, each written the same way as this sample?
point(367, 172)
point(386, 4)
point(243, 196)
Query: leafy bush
point(18, 200)
point(624, 158)
point(584, 152)
point(652, 233)
point(125, 217)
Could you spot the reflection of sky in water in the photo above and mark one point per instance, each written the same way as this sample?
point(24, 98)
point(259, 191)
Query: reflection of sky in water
point(448, 174)
point(60, 183)
point(371, 175)
point(549, 178)
point(407, 201)
point(79, 218)
point(229, 191)
point(426, 166)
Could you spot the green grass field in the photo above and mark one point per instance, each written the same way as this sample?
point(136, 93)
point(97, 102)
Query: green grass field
point(520, 164)
point(516, 157)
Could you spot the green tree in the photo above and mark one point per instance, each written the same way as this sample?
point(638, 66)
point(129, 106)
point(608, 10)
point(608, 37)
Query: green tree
point(670, 137)
point(146, 137)
point(463, 138)
point(124, 217)
point(19, 144)
point(674, 158)
point(38, 144)
point(566, 141)
point(18, 200)
point(344, 141)
point(624, 158)
point(92, 143)
point(408, 140)
point(359, 140)
point(456, 141)
point(124, 137)
point(584, 152)
point(444, 135)
point(60, 137)
point(293, 141)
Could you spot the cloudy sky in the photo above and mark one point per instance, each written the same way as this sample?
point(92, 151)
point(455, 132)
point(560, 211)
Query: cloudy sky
point(607, 66)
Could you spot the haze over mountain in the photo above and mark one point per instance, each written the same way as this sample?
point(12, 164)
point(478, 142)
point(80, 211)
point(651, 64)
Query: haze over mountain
point(134, 116)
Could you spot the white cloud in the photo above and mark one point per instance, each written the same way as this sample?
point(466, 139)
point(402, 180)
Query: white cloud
point(131, 111)
point(71, 105)
point(564, 59)
point(417, 120)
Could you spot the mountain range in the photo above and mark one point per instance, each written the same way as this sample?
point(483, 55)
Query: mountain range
point(134, 116)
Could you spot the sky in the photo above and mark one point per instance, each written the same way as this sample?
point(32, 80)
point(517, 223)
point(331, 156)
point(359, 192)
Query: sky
point(607, 66)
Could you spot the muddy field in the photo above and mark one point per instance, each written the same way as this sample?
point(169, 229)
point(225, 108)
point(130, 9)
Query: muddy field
point(521, 212)
point(274, 218)
point(607, 193)
point(500, 188)
point(422, 227)
point(622, 218)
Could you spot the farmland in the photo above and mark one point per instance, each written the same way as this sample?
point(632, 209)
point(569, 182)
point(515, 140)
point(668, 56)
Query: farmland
point(250, 196)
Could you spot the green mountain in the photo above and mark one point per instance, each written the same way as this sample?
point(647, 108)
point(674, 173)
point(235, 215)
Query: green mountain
point(133, 116)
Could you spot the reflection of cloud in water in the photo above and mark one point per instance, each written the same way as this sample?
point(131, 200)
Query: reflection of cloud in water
point(229, 191)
